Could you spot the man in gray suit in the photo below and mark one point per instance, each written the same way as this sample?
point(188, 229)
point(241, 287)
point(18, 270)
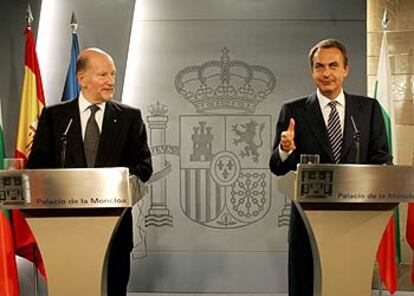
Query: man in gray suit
point(322, 124)
point(119, 139)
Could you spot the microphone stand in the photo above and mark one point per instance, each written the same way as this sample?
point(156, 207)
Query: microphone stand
point(357, 146)
point(63, 142)
point(356, 141)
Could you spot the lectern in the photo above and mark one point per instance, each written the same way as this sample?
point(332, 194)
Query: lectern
point(73, 214)
point(346, 209)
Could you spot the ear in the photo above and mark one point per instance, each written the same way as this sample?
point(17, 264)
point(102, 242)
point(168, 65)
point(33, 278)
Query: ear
point(346, 68)
point(81, 78)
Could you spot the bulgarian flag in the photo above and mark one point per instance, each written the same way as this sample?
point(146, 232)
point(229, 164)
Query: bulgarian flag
point(9, 283)
point(32, 103)
point(386, 254)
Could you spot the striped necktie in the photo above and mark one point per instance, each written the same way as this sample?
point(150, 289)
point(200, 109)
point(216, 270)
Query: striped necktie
point(91, 139)
point(335, 131)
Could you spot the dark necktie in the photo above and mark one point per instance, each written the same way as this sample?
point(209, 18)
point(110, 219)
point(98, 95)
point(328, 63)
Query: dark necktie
point(91, 141)
point(335, 131)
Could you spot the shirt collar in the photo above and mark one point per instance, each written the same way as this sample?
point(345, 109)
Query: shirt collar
point(324, 101)
point(84, 103)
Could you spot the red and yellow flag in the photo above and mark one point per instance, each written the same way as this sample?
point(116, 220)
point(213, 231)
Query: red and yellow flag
point(33, 100)
point(32, 103)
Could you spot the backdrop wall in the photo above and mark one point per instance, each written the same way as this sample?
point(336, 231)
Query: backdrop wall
point(210, 77)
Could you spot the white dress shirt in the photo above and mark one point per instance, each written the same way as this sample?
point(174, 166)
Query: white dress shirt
point(85, 113)
point(326, 110)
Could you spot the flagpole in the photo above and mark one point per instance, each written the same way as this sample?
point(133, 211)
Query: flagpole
point(71, 88)
point(384, 24)
point(35, 273)
point(388, 278)
point(29, 20)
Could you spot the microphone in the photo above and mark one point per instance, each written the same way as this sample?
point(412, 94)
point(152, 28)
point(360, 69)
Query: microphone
point(63, 142)
point(356, 140)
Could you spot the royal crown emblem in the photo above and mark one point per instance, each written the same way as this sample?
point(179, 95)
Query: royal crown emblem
point(225, 86)
point(224, 180)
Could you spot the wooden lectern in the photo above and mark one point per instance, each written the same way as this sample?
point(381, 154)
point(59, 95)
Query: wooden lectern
point(73, 214)
point(346, 209)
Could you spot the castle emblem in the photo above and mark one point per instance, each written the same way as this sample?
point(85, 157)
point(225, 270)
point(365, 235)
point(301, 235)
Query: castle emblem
point(224, 150)
point(202, 139)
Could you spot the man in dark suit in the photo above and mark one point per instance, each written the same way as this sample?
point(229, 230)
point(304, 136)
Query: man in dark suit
point(119, 140)
point(308, 126)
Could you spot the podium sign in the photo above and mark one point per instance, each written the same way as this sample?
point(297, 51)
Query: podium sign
point(73, 214)
point(346, 209)
point(354, 183)
point(65, 188)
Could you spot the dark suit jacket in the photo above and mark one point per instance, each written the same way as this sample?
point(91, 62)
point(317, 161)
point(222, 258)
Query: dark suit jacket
point(123, 140)
point(311, 137)
point(122, 143)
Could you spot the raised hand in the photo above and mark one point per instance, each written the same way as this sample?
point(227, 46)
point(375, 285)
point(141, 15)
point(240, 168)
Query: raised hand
point(287, 137)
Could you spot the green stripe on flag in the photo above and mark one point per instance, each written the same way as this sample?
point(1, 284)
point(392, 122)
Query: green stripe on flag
point(2, 150)
point(383, 93)
point(2, 156)
point(6, 213)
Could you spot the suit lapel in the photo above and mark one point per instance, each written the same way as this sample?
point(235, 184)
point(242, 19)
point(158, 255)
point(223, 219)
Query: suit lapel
point(351, 109)
point(314, 119)
point(76, 155)
point(110, 132)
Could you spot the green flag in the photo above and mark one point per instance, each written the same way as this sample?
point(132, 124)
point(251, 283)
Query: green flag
point(2, 150)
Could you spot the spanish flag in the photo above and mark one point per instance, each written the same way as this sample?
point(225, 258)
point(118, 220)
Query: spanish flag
point(32, 103)
point(33, 100)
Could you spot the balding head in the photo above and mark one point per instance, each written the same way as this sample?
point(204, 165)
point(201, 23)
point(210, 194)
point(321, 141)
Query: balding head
point(95, 70)
point(88, 53)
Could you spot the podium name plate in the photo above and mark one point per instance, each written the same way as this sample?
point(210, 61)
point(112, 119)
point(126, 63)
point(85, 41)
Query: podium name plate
point(354, 183)
point(65, 188)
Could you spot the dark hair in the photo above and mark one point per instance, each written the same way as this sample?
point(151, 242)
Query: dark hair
point(329, 43)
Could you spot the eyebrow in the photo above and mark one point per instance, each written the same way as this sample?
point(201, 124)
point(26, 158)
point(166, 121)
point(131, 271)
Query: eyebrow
point(329, 64)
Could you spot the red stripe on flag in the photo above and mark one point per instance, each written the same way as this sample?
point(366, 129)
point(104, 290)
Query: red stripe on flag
point(31, 105)
point(32, 63)
point(386, 257)
point(25, 242)
point(409, 233)
point(9, 282)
